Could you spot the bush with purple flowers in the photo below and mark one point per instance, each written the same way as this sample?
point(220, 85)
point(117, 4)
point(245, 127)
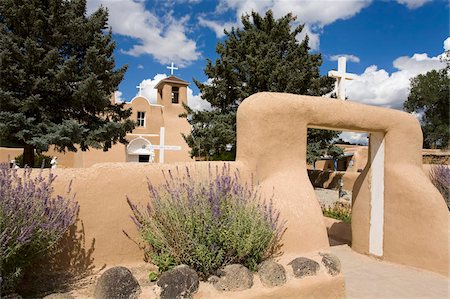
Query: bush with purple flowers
point(207, 224)
point(31, 221)
point(440, 177)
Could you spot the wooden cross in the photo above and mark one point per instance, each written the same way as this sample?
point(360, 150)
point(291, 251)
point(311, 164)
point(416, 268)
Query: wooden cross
point(341, 76)
point(171, 68)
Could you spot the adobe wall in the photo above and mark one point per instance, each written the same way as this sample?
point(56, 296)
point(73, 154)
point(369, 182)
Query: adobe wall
point(101, 192)
point(7, 154)
point(271, 147)
point(271, 142)
point(331, 179)
point(153, 117)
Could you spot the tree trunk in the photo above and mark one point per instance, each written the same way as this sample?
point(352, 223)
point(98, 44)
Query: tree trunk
point(28, 155)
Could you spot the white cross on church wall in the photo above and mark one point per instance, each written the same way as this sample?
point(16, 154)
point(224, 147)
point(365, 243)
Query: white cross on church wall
point(341, 76)
point(171, 68)
point(162, 147)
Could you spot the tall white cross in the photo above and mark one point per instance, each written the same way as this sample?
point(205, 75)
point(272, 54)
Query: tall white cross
point(341, 76)
point(141, 87)
point(162, 147)
point(171, 68)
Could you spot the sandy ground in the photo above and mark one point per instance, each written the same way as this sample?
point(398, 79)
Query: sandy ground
point(367, 277)
point(327, 197)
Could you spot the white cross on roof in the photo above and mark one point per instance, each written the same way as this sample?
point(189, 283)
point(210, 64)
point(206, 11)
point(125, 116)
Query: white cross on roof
point(171, 68)
point(140, 86)
point(341, 76)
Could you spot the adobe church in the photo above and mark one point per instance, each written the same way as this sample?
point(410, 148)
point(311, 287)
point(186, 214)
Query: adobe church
point(156, 137)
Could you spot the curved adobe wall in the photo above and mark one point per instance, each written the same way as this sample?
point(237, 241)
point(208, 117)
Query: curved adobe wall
point(271, 136)
point(272, 146)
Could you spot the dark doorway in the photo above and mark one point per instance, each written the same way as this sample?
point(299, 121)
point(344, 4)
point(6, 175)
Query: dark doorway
point(144, 158)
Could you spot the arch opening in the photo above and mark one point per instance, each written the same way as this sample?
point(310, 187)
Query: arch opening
point(140, 150)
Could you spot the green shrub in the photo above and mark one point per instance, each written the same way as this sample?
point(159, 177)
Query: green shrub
point(207, 224)
point(40, 160)
point(340, 211)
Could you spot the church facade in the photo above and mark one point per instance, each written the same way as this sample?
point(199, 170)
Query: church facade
point(157, 136)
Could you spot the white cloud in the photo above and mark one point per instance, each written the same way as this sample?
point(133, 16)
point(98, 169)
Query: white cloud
point(140, 66)
point(378, 87)
point(149, 91)
point(314, 38)
point(195, 102)
point(162, 37)
point(315, 14)
point(118, 96)
point(216, 26)
point(354, 137)
point(447, 44)
point(413, 4)
point(349, 57)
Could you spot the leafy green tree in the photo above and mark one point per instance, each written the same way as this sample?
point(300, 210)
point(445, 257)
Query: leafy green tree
point(263, 55)
point(57, 76)
point(429, 96)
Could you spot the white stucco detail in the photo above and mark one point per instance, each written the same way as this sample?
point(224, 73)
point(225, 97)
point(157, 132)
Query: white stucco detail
point(140, 146)
point(162, 136)
point(377, 194)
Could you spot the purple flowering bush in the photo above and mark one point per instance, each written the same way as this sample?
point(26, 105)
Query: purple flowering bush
point(207, 224)
point(31, 221)
point(440, 177)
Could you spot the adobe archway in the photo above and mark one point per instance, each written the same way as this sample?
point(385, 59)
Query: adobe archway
point(397, 215)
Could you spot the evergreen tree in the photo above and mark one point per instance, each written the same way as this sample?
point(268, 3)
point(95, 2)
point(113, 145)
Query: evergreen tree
point(57, 75)
point(263, 55)
point(430, 96)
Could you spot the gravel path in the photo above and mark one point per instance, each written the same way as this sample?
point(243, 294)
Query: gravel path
point(328, 197)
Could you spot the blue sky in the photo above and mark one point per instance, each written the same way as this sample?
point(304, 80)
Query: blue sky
point(387, 42)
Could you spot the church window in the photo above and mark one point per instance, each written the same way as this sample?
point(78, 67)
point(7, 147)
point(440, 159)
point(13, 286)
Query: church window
point(141, 119)
point(175, 93)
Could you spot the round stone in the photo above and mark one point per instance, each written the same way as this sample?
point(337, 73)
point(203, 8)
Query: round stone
point(303, 267)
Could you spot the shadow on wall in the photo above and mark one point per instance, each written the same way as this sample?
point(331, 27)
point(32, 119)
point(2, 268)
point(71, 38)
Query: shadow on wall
point(340, 233)
point(320, 178)
point(68, 264)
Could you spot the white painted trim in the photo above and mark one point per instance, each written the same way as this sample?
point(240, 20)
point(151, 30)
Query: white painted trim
point(162, 132)
point(377, 194)
point(148, 101)
point(148, 135)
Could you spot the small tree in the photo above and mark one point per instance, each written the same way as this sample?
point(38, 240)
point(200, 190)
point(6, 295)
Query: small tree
point(263, 55)
point(429, 97)
point(57, 76)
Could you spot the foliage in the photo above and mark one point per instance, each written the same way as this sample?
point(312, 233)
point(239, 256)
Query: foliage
point(263, 55)
point(209, 224)
point(334, 151)
point(57, 76)
point(430, 97)
point(440, 177)
point(40, 160)
point(31, 221)
point(211, 132)
point(339, 210)
point(153, 276)
point(319, 148)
